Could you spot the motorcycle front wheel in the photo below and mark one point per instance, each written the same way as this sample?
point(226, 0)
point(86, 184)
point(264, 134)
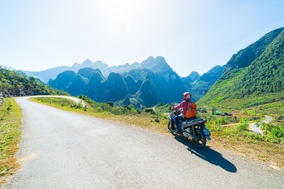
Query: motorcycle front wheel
point(200, 140)
point(170, 129)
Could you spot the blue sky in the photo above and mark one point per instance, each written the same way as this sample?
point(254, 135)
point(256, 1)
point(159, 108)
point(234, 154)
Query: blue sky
point(192, 35)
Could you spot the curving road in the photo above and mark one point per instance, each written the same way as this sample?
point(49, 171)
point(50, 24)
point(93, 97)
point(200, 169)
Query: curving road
point(253, 126)
point(61, 149)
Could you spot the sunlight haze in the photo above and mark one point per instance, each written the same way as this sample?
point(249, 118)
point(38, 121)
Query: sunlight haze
point(190, 35)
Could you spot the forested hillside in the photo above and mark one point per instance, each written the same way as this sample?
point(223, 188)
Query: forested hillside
point(254, 76)
point(14, 83)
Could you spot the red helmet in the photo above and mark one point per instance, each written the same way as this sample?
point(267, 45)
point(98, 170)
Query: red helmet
point(186, 95)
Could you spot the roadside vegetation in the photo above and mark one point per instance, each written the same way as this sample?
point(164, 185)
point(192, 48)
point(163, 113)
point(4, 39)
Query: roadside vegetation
point(10, 134)
point(16, 83)
point(232, 132)
point(229, 129)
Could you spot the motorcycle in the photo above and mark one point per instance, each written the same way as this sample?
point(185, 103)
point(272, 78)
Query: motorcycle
point(193, 129)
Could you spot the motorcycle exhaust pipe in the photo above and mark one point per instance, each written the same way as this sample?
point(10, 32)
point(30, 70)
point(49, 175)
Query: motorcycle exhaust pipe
point(188, 136)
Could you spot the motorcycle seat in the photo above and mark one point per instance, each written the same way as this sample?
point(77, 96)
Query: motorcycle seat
point(193, 119)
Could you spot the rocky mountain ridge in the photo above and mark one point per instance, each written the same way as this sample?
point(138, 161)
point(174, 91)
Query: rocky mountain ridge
point(142, 85)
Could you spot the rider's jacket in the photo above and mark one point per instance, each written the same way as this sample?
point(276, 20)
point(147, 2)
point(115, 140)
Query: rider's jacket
point(183, 105)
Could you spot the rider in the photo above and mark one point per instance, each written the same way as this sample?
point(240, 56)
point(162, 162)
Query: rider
point(184, 106)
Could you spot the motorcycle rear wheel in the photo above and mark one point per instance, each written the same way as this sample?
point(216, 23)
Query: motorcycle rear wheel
point(200, 140)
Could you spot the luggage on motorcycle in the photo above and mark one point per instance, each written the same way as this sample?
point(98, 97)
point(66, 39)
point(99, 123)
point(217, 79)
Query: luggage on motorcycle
point(191, 110)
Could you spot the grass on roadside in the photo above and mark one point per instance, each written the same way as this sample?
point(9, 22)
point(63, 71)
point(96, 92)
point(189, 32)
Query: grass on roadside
point(10, 134)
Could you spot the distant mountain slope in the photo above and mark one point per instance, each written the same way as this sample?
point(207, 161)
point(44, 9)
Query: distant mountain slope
point(52, 73)
point(194, 76)
point(246, 56)
point(63, 80)
point(253, 76)
point(205, 81)
point(45, 75)
point(167, 85)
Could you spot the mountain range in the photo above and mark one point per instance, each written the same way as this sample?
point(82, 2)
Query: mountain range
point(52, 73)
point(140, 84)
point(252, 76)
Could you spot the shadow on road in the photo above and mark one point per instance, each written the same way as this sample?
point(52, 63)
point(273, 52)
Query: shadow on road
point(209, 155)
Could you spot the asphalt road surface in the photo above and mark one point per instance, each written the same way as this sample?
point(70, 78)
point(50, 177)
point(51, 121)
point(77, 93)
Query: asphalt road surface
point(61, 149)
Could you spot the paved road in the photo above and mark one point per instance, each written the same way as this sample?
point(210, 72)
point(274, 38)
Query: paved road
point(255, 127)
point(60, 149)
